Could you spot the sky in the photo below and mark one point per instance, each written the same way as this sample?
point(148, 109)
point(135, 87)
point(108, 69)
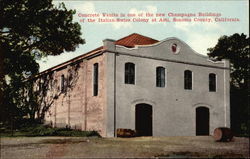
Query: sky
point(198, 35)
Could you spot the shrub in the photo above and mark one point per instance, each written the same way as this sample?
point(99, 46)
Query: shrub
point(42, 130)
point(71, 132)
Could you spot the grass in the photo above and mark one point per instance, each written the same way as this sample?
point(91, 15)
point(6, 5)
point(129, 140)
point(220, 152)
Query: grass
point(41, 130)
point(145, 147)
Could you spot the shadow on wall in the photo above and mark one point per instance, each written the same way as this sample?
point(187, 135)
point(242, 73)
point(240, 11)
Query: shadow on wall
point(48, 87)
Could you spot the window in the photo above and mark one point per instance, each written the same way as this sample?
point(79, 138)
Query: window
point(95, 79)
point(212, 82)
point(174, 48)
point(62, 83)
point(160, 77)
point(129, 73)
point(188, 79)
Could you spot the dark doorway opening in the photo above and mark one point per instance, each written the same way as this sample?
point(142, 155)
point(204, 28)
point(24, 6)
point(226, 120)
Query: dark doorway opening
point(202, 121)
point(143, 119)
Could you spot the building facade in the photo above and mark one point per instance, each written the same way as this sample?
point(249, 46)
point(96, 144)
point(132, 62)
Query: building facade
point(158, 88)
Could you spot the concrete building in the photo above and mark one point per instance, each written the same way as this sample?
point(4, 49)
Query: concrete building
point(158, 88)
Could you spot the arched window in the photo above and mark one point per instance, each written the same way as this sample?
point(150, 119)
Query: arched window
point(188, 79)
point(160, 77)
point(129, 73)
point(95, 79)
point(212, 82)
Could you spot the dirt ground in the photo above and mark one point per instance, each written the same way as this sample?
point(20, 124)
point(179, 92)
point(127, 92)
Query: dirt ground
point(79, 147)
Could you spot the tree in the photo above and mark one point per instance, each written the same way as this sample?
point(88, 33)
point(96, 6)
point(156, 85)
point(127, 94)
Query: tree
point(30, 30)
point(45, 88)
point(236, 49)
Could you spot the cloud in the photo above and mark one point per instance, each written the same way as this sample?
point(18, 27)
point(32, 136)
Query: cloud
point(148, 9)
point(89, 8)
point(51, 61)
point(201, 42)
point(206, 26)
point(200, 35)
point(151, 9)
point(118, 25)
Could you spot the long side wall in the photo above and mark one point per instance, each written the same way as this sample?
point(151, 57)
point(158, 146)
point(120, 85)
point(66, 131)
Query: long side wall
point(76, 107)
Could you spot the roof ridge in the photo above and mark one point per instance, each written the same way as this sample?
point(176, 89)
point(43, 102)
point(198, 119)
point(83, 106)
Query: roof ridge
point(135, 34)
point(125, 37)
point(135, 39)
point(79, 57)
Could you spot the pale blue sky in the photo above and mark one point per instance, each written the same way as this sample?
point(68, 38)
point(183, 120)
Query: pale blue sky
point(199, 36)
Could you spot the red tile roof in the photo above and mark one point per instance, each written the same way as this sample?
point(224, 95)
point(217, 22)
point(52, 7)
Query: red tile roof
point(128, 41)
point(135, 39)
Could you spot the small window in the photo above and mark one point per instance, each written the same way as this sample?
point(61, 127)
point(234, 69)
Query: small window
point(62, 83)
point(212, 82)
point(160, 77)
point(129, 73)
point(174, 48)
point(188, 79)
point(95, 79)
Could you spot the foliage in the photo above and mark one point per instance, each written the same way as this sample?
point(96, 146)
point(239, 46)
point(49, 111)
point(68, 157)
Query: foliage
point(49, 90)
point(240, 111)
point(42, 130)
point(29, 30)
point(236, 49)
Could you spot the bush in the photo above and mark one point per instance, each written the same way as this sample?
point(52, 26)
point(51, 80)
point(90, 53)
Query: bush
point(42, 130)
point(76, 133)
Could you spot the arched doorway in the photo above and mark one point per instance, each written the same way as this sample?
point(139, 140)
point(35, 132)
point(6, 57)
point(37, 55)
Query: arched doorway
point(202, 121)
point(143, 119)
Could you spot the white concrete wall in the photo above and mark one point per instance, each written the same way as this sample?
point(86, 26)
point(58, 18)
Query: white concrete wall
point(173, 106)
